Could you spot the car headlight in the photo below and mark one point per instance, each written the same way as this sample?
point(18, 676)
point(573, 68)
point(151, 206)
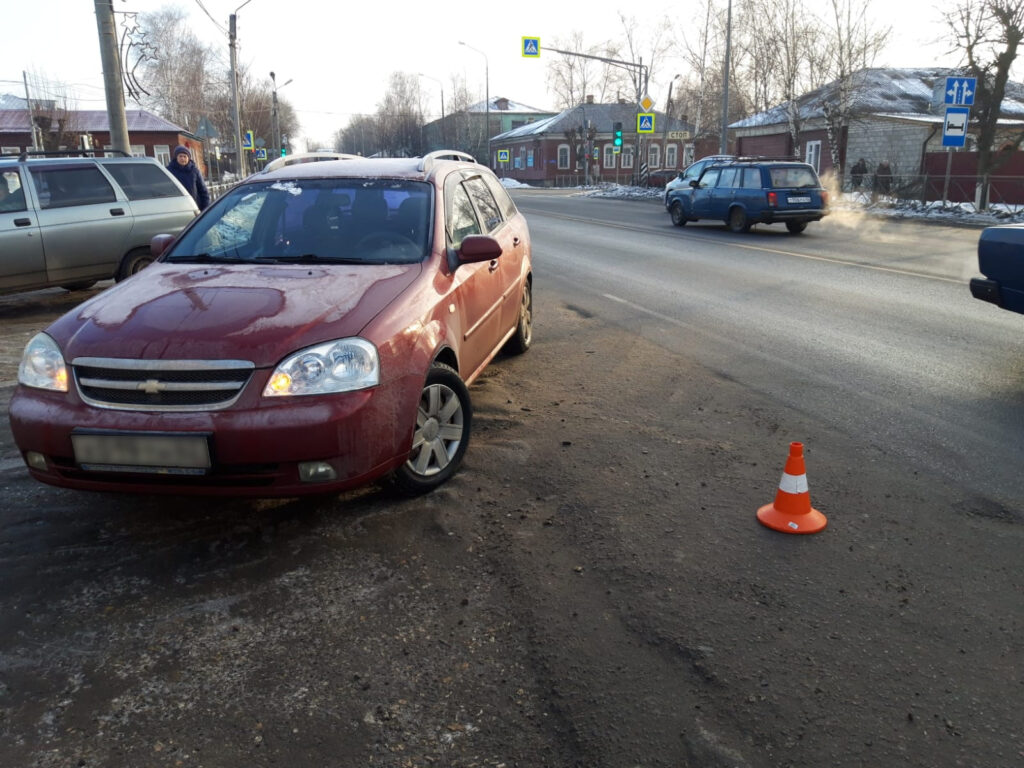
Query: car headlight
point(42, 365)
point(337, 366)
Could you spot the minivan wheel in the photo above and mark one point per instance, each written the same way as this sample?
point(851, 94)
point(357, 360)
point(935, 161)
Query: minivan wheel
point(520, 341)
point(676, 212)
point(134, 261)
point(796, 227)
point(441, 433)
point(738, 220)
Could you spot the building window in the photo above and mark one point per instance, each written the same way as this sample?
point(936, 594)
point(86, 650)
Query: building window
point(529, 158)
point(671, 156)
point(813, 154)
point(10, 150)
point(563, 157)
point(162, 153)
point(654, 156)
point(609, 156)
point(627, 156)
point(138, 150)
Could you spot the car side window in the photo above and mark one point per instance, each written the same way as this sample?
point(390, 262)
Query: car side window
point(751, 178)
point(710, 178)
point(64, 187)
point(143, 181)
point(728, 177)
point(490, 215)
point(12, 195)
point(459, 214)
point(501, 196)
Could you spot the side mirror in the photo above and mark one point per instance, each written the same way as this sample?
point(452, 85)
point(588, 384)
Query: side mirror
point(477, 248)
point(695, 183)
point(159, 244)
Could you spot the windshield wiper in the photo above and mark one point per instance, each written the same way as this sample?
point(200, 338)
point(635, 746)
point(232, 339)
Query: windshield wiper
point(312, 258)
point(204, 258)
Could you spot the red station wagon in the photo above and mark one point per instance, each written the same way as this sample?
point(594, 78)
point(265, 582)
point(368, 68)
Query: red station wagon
point(313, 330)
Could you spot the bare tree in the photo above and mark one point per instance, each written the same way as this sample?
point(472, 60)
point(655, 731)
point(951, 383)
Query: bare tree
point(989, 32)
point(400, 116)
point(174, 72)
point(853, 44)
point(571, 78)
point(54, 113)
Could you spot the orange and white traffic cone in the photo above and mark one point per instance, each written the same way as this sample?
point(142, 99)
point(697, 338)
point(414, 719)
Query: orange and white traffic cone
point(792, 511)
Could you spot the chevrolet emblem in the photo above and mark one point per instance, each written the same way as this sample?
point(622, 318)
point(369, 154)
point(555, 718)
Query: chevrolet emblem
point(151, 387)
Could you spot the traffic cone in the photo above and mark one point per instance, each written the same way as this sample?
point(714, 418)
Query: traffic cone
point(792, 511)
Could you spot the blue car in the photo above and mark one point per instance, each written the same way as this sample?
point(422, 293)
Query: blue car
point(745, 191)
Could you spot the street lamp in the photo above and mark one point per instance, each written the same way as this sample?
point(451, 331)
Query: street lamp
point(444, 142)
point(275, 124)
point(487, 95)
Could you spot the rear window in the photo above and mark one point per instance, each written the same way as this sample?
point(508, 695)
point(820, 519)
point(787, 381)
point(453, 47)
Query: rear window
point(143, 181)
point(793, 177)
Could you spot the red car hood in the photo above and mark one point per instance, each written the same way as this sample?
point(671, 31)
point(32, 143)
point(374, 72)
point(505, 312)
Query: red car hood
point(238, 312)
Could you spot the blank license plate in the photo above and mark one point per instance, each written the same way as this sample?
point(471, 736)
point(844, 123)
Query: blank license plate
point(799, 200)
point(183, 454)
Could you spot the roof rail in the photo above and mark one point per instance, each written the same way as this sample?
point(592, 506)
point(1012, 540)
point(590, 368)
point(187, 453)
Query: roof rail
point(444, 154)
point(305, 157)
point(26, 154)
point(756, 158)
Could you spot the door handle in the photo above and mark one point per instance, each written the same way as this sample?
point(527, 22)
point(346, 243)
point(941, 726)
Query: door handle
point(117, 211)
point(22, 222)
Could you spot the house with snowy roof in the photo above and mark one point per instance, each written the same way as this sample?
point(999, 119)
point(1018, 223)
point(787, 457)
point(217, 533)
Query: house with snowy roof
point(896, 116)
point(577, 145)
point(469, 129)
point(149, 134)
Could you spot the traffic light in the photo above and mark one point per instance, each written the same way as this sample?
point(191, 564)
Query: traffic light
point(618, 135)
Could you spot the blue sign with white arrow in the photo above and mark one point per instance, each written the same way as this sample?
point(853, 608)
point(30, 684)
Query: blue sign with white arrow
point(960, 90)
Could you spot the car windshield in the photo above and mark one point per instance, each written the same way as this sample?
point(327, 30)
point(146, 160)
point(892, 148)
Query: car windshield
point(793, 178)
point(341, 221)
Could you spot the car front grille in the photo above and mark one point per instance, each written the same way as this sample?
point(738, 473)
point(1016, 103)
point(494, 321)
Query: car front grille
point(160, 385)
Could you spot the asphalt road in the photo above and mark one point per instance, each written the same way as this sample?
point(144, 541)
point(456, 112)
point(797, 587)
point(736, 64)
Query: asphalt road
point(593, 588)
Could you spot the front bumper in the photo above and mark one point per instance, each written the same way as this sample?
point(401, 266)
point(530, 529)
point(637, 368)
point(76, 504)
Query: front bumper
point(254, 451)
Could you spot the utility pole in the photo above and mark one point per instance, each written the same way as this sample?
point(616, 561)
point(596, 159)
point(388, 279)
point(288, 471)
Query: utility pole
point(234, 98)
point(31, 114)
point(112, 76)
point(723, 144)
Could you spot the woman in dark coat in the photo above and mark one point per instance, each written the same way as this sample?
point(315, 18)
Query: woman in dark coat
point(187, 173)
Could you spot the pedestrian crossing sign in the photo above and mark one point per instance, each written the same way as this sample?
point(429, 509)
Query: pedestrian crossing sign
point(247, 140)
point(645, 122)
point(503, 155)
point(531, 47)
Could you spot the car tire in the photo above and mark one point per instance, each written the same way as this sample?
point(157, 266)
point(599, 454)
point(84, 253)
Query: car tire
point(521, 340)
point(441, 432)
point(676, 212)
point(738, 221)
point(133, 262)
point(796, 227)
point(79, 286)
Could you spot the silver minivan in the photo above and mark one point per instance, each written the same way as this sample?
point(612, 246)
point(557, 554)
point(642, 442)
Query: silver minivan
point(72, 221)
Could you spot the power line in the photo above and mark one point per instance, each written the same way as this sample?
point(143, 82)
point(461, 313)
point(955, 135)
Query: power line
point(210, 16)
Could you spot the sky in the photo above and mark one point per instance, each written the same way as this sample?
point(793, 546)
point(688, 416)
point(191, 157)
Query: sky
point(338, 54)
